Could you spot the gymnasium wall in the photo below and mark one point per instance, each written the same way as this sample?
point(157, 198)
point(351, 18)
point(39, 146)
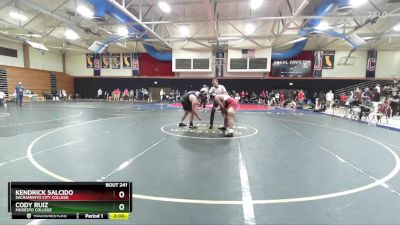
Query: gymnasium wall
point(388, 64)
point(348, 71)
point(66, 82)
point(51, 60)
point(12, 61)
point(76, 66)
point(37, 81)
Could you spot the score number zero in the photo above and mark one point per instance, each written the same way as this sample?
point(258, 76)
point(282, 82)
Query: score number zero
point(121, 194)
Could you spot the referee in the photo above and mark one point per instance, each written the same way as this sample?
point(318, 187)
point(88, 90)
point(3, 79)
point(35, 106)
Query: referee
point(217, 89)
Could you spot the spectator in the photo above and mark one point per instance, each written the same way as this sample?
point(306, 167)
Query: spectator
point(343, 99)
point(117, 94)
point(384, 108)
point(64, 94)
point(177, 95)
point(99, 93)
point(161, 95)
point(329, 100)
point(145, 94)
point(366, 108)
point(126, 94)
point(378, 88)
point(3, 99)
point(276, 99)
point(395, 103)
point(140, 98)
point(131, 95)
point(19, 90)
point(300, 98)
point(172, 96)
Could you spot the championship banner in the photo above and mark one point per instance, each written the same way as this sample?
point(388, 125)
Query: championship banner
point(89, 60)
point(116, 61)
point(328, 60)
point(135, 64)
point(105, 61)
point(317, 64)
point(96, 64)
point(126, 60)
point(371, 63)
point(219, 68)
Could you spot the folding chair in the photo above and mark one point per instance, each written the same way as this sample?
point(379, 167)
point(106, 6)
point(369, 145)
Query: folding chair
point(377, 115)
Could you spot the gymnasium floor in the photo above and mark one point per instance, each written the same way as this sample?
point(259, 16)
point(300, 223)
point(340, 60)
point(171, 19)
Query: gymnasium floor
point(283, 167)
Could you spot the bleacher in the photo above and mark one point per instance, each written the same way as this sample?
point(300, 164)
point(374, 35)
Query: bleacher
point(365, 84)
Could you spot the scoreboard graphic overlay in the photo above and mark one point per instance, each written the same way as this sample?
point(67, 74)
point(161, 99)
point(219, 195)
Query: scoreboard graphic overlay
point(70, 200)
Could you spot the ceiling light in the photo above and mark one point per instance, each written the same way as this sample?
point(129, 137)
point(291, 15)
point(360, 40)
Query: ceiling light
point(71, 35)
point(122, 31)
point(255, 4)
point(18, 16)
point(396, 27)
point(35, 35)
point(184, 30)
point(85, 11)
point(356, 3)
point(322, 26)
point(367, 38)
point(37, 45)
point(249, 28)
point(164, 7)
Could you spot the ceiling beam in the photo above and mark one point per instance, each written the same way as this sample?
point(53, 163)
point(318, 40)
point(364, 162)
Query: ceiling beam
point(334, 17)
point(58, 7)
point(295, 15)
point(133, 17)
point(31, 20)
point(211, 8)
point(191, 39)
point(53, 29)
point(57, 17)
point(246, 36)
point(5, 3)
point(290, 7)
point(364, 24)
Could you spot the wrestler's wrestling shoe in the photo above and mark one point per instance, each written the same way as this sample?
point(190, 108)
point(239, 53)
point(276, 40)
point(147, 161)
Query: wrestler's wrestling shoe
point(182, 124)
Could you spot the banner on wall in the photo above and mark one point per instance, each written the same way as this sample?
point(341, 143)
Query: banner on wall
point(89, 60)
point(318, 55)
point(105, 61)
point(116, 61)
point(371, 63)
point(96, 64)
point(126, 60)
point(291, 68)
point(135, 64)
point(328, 60)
